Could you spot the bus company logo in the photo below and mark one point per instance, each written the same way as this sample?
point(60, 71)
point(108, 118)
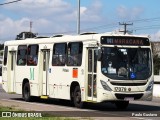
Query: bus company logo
point(6, 114)
point(21, 114)
point(129, 89)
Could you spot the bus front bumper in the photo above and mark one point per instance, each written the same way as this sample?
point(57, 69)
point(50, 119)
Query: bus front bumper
point(113, 96)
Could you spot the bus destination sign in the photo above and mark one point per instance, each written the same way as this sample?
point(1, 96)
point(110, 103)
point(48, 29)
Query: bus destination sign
point(135, 41)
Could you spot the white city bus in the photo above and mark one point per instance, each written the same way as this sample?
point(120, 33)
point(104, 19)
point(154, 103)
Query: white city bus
point(82, 68)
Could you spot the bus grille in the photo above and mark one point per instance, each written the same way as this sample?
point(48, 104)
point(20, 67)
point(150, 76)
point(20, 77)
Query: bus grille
point(122, 96)
point(128, 84)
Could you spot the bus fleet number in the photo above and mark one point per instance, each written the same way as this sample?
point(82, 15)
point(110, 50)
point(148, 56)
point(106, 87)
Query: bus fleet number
point(120, 89)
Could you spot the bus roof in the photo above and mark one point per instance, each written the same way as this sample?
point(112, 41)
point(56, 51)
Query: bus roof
point(69, 38)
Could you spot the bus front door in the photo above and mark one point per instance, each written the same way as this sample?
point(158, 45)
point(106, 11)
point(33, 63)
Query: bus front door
point(11, 76)
point(45, 65)
point(92, 75)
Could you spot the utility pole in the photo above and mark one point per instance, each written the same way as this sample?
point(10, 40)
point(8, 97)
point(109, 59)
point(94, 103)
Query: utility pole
point(125, 27)
point(78, 18)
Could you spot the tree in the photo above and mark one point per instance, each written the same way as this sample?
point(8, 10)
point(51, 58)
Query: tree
point(24, 35)
point(156, 59)
point(1, 46)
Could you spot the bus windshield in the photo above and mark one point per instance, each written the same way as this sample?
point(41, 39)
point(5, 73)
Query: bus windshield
point(126, 63)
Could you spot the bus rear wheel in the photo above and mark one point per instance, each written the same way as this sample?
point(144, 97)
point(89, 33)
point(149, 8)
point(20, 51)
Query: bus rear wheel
point(26, 92)
point(122, 104)
point(77, 97)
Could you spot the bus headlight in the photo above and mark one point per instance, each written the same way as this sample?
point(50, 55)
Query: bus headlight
point(105, 86)
point(150, 86)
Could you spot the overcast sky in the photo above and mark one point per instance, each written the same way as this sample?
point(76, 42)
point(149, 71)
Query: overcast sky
point(60, 16)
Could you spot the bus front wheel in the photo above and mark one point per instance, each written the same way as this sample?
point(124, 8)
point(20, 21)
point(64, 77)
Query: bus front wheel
point(122, 104)
point(26, 92)
point(77, 97)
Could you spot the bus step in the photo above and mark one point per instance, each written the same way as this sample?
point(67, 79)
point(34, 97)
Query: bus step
point(44, 97)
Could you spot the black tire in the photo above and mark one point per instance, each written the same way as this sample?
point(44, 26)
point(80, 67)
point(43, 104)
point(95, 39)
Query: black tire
point(77, 98)
point(26, 92)
point(122, 104)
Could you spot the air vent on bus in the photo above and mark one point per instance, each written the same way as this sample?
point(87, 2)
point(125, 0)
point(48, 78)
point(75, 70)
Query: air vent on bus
point(41, 37)
point(129, 84)
point(60, 35)
point(122, 96)
point(88, 33)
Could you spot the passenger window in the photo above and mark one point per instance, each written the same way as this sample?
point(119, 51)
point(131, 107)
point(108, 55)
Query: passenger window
point(59, 54)
point(74, 56)
point(22, 55)
point(5, 55)
point(32, 57)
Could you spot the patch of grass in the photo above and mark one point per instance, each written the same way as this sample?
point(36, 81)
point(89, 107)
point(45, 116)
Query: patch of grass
point(6, 108)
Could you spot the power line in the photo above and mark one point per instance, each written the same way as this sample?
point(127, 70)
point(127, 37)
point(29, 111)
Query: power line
point(145, 20)
point(147, 27)
point(104, 26)
point(107, 26)
point(112, 25)
point(10, 2)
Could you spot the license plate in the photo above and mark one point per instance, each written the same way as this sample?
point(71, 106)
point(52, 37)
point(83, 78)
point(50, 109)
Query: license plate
point(129, 98)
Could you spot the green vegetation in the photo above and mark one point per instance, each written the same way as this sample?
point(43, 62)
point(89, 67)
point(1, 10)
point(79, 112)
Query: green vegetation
point(1, 46)
point(6, 108)
point(156, 59)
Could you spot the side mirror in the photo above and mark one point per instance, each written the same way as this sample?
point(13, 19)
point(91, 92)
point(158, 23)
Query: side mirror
point(99, 57)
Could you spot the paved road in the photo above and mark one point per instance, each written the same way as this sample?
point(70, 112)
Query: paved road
point(136, 109)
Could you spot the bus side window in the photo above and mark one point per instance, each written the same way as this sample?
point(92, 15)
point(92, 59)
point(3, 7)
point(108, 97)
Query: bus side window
point(32, 57)
point(74, 56)
point(59, 54)
point(5, 55)
point(22, 55)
